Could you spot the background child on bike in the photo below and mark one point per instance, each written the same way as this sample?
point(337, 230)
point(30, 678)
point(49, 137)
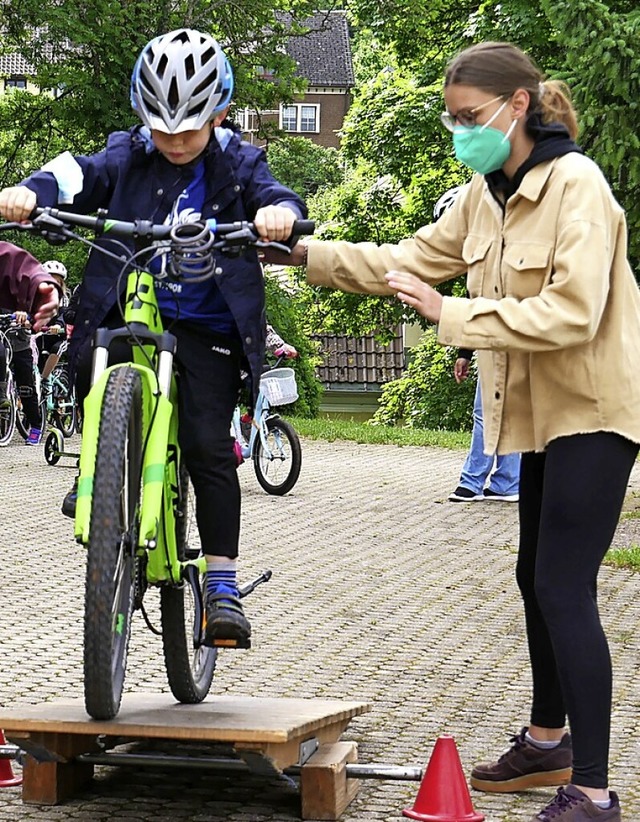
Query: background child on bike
point(278, 347)
point(185, 162)
point(50, 343)
point(22, 364)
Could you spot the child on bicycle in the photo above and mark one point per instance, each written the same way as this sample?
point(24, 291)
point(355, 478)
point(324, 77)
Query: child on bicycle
point(51, 344)
point(185, 162)
point(23, 365)
point(24, 286)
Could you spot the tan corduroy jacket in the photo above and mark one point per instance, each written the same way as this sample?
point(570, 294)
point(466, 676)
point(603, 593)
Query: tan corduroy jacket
point(554, 309)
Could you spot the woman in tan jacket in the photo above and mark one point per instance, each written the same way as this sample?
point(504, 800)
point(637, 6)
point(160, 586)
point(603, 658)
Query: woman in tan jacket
point(554, 313)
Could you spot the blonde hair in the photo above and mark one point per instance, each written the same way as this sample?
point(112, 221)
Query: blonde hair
point(502, 68)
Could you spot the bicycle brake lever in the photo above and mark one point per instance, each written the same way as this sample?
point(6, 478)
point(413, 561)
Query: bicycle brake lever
point(273, 244)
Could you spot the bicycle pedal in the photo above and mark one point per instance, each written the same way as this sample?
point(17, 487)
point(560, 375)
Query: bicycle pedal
point(241, 644)
point(236, 644)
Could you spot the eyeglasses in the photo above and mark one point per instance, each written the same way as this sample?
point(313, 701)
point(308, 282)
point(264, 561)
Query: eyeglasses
point(465, 117)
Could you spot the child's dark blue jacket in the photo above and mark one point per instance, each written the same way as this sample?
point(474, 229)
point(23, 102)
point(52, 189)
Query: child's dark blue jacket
point(132, 180)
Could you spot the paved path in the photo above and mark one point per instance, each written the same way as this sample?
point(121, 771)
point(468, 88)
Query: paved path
point(382, 591)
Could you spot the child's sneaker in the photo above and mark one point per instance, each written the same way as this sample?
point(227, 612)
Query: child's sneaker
point(571, 805)
point(227, 626)
point(35, 435)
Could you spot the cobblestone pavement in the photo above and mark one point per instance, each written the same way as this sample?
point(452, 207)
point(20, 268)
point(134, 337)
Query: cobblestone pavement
point(382, 591)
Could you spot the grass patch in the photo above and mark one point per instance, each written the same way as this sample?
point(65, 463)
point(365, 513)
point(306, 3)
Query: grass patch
point(632, 506)
point(333, 429)
point(628, 558)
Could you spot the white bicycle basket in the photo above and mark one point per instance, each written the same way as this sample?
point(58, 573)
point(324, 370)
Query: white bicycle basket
point(279, 386)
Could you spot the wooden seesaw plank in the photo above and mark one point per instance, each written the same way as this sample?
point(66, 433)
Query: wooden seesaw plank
point(272, 729)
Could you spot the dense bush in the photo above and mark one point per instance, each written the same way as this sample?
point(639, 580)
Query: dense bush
point(427, 396)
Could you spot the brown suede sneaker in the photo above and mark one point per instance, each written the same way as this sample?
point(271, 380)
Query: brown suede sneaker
point(524, 766)
point(571, 805)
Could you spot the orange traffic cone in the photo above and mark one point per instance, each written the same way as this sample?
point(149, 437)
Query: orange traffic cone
point(443, 795)
point(7, 779)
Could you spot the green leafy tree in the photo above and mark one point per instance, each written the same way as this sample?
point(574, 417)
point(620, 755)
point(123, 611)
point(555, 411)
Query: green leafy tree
point(83, 53)
point(602, 67)
point(304, 166)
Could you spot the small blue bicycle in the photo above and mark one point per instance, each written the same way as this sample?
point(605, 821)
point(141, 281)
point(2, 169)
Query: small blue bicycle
point(264, 437)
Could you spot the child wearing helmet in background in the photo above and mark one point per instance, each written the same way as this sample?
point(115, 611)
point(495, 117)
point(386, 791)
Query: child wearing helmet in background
point(185, 162)
point(49, 344)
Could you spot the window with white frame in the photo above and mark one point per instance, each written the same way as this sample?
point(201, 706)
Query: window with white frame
point(241, 117)
point(300, 117)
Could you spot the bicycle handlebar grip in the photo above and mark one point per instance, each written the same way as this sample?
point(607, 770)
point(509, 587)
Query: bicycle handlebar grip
point(301, 227)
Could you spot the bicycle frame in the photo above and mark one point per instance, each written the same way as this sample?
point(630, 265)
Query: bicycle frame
point(160, 481)
point(258, 427)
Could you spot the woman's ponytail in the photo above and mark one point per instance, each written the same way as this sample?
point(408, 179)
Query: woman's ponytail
point(555, 105)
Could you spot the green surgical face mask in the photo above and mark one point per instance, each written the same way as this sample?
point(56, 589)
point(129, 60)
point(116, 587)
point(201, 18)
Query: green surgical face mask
point(482, 148)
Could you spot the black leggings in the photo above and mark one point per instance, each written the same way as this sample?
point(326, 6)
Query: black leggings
point(209, 368)
point(570, 502)
point(22, 365)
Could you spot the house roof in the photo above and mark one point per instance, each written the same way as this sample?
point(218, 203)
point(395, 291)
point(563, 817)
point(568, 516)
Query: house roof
point(324, 54)
point(14, 64)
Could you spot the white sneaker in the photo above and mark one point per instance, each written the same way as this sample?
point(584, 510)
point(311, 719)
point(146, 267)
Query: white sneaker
point(492, 496)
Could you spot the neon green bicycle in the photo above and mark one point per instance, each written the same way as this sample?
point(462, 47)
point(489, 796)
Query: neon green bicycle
point(134, 511)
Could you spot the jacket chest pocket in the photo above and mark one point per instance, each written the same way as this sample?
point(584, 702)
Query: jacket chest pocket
point(475, 253)
point(527, 269)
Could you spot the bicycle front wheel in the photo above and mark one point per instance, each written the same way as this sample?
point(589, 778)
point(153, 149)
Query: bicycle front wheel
point(189, 669)
point(113, 532)
point(8, 417)
point(278, 465)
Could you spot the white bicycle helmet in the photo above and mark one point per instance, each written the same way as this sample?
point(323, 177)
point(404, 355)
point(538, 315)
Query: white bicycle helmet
point(180, 81)
point(445, 202)
point(55, 267)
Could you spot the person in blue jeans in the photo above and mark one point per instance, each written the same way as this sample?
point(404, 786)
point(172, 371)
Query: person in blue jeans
point(502, 470)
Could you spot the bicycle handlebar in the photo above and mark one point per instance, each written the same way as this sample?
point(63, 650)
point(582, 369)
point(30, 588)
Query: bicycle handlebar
point(237, 234)
point(191, 246)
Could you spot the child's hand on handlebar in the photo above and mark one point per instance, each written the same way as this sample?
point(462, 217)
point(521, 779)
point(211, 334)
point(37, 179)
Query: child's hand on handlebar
point(286, 350)
point(17, 203)
point(275, 222)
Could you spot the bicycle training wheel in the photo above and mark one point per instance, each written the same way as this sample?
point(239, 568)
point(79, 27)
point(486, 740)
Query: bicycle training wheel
point(278, 467)
point(64, 403)
point(189, 669)
point(8, 418)
point(111, 555)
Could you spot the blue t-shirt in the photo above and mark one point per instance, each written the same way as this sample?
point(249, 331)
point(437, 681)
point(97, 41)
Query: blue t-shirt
point(198, 302)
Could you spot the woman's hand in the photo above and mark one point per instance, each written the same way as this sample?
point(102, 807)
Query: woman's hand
point(414, 292)
point(461, 369)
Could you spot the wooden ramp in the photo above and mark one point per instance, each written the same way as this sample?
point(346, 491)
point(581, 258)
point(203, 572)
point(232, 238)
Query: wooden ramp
point(270, 735)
